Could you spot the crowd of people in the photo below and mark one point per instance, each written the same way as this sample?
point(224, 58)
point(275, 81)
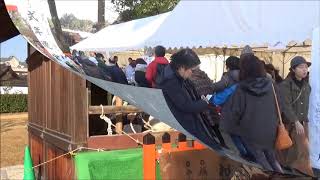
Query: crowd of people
point(138, 72)
point(248, 107)
point(242, 104)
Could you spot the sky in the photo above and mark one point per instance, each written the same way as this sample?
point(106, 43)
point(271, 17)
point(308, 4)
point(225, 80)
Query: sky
point(16, 46)
point(84, 9)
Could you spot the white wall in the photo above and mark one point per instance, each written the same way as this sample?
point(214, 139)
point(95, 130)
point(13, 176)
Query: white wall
point(14, 90)
point(213, 65)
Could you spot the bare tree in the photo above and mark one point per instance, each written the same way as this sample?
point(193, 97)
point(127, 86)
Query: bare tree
point(57, 26)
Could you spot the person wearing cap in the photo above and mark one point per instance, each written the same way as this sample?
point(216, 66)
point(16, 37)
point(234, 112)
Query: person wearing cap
point(295, 91)
point(247, 50)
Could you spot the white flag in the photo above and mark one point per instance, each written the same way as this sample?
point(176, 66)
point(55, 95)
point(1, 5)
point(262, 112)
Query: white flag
point(314, 105)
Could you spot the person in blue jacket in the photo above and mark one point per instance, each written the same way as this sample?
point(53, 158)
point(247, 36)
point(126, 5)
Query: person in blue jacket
point(117, 75)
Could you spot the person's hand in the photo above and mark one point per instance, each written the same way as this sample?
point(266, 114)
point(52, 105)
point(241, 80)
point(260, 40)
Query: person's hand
point(299, 128)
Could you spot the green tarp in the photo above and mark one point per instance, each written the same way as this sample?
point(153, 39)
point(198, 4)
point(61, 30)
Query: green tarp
point(118, 164)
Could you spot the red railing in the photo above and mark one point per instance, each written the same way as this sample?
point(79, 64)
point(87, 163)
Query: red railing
point(151, 153)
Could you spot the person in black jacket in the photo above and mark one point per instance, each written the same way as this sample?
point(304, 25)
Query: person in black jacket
point(251, 113)
point(89, 67)
point(181, 98)
point(140, 73)
point(103, 68)
point(117, 75)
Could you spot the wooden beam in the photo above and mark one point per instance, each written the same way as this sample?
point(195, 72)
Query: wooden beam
point(114, 109)
point(56, 139)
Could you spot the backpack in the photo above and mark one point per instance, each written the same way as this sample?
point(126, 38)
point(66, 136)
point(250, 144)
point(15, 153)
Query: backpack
point(222, 96)
point(159, 73)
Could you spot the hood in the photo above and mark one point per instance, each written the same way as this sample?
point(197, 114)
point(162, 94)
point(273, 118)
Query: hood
point(234, 75)
point(257, 86)
point(141, 67)
point(168, 73)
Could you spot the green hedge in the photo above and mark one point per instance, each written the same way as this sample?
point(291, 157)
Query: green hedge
point(12, 103)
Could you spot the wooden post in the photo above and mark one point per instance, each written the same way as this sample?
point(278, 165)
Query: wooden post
point(166, 142)
point(114, 109)
point(182, 142)
point(119, 123)
point(149, 157)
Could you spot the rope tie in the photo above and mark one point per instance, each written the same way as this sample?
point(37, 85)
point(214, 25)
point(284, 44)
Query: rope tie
point(146, 124)
point(102, 116)
point(107, 120)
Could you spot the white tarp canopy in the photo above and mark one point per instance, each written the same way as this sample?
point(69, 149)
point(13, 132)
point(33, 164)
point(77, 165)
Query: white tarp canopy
point(212, 24)
point(122, 36)
point(219, 23)
point(82, 34)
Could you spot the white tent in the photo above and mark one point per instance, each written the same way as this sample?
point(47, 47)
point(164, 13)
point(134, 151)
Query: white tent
point(124, 36)
point(219, 23)
point(212, 24)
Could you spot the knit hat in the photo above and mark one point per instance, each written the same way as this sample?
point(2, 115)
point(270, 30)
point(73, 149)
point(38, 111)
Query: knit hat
point(246, 50)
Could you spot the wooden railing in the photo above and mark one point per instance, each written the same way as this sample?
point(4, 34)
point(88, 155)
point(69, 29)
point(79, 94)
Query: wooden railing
point(114, 109)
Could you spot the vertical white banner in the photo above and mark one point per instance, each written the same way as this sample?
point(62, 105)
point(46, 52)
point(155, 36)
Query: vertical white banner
point(314, 105)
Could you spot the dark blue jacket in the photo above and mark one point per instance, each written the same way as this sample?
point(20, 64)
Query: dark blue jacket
point(90, 68)
point(184, 105)
point(117, 75)
point(105, 70)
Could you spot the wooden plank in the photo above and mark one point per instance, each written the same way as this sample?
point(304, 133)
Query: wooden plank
point(61, 168)
point(35, 95)
point(36, 147)
point(57, 139)
point(64, 91)
point(114, 109)
point(64, 166)
point(114, 142)
point(50, 167)
point(80, 109)
point(35, 129)
point(49, 98)
point(58, 134)
point(56, 114)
